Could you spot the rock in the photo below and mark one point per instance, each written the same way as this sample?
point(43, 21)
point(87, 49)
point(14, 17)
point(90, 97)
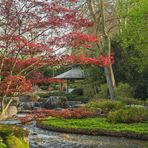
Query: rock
point(58, 109)
point(78, 105)
point(37, 104)
point(11, 111)
point(71, 104)
point(29, 97)
point(54, 102)
point(33, 133)
point(27, 105)
point(36, 88)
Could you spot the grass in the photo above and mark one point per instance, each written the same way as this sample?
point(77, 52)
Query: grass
point(96, 124)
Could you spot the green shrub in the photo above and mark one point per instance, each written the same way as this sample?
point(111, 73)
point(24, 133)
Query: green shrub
point(69, 96)
point(48, 94)
point(129, 101)
point(146, 102)
point(103, 92)
point(15, 142)
point(3, 145)
point(129, 115)
point(105, 105)
point(89, 91)
point(44, 87)
point(124, 90)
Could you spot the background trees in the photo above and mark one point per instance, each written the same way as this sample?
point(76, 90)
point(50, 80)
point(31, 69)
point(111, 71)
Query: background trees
point(130, 46)
point(126, 26)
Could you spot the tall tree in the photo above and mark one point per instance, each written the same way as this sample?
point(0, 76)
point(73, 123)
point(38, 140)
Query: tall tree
point(98, 10)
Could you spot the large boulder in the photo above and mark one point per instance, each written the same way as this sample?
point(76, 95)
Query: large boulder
point(26, 106)
point(11, 111)
point(54, 102)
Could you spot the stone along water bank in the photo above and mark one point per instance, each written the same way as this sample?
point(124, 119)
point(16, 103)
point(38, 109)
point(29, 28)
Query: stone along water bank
point(39, 138)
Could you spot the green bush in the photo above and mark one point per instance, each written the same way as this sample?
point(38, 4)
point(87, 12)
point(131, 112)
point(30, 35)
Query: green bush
point(3, 145)
point(48, 94)
point(69, 96)
point(129, 101)
point(129, 115)
point(105, 105)
point(15, 142)
point(124, 90)
point(12, 136)
point(146, 102)
point(44, 87)
point(103, 92)
point(89, 91)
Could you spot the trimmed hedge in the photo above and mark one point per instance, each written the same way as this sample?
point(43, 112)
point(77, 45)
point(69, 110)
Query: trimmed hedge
point(129, 115)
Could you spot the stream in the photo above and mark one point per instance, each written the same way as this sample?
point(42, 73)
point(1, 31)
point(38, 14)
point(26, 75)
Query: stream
point(40, 138)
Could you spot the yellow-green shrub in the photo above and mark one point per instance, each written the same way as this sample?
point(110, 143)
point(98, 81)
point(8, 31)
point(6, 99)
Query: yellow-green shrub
point(129, 101)
point(105, 105)
point(124, 90)
point(15, 142)
point(129, 115)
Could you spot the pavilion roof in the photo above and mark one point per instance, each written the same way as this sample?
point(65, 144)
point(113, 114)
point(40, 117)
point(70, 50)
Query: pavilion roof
point(72, 74)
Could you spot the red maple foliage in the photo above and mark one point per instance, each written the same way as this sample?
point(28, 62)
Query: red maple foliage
point(32, 32)
point(15, 84)
point(40, 114)
point(37, 77)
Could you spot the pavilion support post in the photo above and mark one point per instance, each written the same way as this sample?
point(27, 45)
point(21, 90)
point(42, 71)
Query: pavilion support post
point(61, 89)
point(67, 86)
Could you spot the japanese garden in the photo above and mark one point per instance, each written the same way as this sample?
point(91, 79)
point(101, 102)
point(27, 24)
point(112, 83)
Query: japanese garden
point(73, 74)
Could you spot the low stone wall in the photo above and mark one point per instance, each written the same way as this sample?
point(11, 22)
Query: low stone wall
point(94, 132)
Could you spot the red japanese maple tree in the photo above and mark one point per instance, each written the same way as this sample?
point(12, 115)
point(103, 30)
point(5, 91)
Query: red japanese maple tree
point(31, 34)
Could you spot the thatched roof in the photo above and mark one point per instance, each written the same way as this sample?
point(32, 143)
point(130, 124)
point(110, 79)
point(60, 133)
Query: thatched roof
point(74, 73)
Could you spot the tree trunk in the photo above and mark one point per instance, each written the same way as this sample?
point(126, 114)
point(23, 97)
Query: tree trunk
point(106, 50)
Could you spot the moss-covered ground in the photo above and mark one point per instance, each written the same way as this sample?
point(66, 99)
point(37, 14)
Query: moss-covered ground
point(95, 124)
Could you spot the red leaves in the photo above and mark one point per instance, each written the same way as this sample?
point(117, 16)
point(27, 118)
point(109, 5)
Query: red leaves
point(83, 59)
point(75, 40)
point(45, 80)
point(19, 64)
point(15, 84)
point(37, 77)
point(65, 113)
point(81, 40)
